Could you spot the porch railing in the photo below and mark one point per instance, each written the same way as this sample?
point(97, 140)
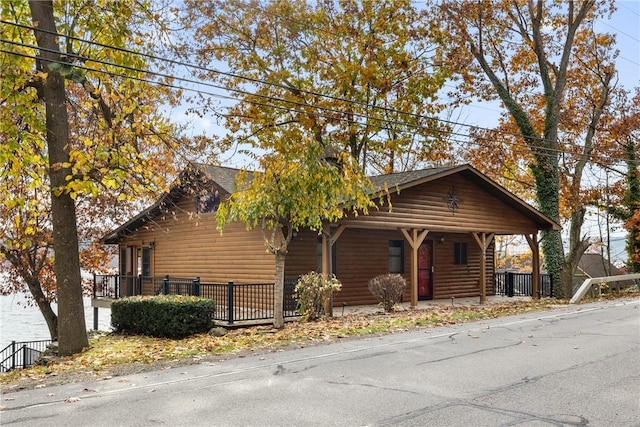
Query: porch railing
point(234, 301)
point(21, 354)
point(521, 284)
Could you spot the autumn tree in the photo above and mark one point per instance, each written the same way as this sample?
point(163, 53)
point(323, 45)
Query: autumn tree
point(624, 132)
point(357, 75)
point(553, 75)
point(80, 120)
point(298, 189)
point(314, 80)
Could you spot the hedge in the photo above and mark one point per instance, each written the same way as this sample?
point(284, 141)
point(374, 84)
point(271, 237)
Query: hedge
point(168, 316)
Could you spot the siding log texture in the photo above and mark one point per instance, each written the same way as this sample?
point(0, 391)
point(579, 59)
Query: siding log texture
point(363, 254)
point(478, 210)
point(186, 245)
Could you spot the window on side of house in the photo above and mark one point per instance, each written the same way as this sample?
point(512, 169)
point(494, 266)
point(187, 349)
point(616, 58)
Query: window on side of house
point(460, 253)
point(146, 262)
point(396, 256)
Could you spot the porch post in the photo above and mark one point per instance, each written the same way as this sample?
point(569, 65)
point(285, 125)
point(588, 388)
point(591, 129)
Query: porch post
point(327, 268)
point(415, 240)
point(326, 250)
point(535, 265)
point(414, 268)
point(483, 240)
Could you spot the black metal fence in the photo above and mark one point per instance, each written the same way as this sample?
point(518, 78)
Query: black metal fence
point(521, 284)
point(234, 301)
point(21, 354)
point(116, 286)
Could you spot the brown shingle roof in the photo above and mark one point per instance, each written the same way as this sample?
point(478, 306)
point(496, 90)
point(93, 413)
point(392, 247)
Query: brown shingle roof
point(595, 265)
point(403, 179)
point(224, 177)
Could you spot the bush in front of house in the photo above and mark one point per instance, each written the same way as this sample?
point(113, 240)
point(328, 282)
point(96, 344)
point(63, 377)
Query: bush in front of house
point(166, 316)
point(311, 292)
point(387, 289)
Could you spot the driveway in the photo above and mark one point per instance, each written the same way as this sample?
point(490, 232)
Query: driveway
point(570, 366)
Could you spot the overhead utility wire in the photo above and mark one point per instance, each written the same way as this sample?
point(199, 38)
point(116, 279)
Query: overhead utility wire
point(304, 104)
point(253, 80)
point(547, 150)
point(476, 140)
point(239, 91)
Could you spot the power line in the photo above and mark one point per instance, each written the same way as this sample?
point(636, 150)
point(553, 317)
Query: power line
point(544, 150)
point(249, 79)
point(476, 140)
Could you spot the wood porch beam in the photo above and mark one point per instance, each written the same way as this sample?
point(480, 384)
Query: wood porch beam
point(535, 265)
point(336, 234)
point(483, 240)
point(415, 239)
point(328, 241)
point(327, 244)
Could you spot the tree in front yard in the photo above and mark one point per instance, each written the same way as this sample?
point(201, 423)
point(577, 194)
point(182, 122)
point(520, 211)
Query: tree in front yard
point(79, 120)
point(358, 76)
point(296, 188)
point(553, 75)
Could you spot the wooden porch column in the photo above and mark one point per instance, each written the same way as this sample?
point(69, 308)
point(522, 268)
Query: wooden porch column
point(327, 248)
point(483, 240)
point(535, 265)
point(415, 239)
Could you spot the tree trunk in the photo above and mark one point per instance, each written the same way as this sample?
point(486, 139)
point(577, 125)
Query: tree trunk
point(72, 331)
point(45, 307)
point(278, 292)
point(632, 202)
point(545, 172)
point(577, 248)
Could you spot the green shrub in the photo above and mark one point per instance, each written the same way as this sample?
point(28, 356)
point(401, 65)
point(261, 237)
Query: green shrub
point(311, 292)
point(387, 288)
point(169, 316)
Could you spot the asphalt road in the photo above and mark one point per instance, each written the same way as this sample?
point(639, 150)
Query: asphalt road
point(572, 366)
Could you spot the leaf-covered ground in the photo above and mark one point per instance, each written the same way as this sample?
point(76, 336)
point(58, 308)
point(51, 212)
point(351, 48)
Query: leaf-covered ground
point(114, 354)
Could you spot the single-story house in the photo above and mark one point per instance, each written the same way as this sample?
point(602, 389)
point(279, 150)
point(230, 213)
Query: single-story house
point(593, 265)
point(438, 233)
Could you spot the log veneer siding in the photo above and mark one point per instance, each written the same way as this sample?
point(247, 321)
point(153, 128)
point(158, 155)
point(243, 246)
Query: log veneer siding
point(478, 210)
point(187, 245)
point(363, 254)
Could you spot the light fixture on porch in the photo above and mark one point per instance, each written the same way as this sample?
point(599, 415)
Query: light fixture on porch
point(441, 240)
point(152, 245)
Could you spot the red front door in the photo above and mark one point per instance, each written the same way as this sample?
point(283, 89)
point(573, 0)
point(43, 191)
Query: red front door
point(425, 264)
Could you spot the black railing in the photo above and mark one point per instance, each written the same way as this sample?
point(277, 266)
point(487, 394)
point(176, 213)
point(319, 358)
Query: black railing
point(247, 302)
point(520, 284)
point(179, 286)
point(235, 302)
point(116, 286)
point(21, 354)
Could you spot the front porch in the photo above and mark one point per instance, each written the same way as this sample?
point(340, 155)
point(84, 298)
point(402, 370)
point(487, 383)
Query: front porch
point(252, 304)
